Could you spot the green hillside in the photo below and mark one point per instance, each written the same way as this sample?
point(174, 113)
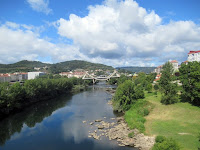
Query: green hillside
point(77, 64)
point(25, 66)
point(21, 66)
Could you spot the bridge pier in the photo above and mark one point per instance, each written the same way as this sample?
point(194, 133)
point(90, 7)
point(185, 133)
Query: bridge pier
point(94, 81)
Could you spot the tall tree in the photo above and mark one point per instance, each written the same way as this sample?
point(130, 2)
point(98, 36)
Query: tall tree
point(190, 78)
point(168, 89)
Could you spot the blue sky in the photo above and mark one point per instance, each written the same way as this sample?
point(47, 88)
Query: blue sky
point(113, 32)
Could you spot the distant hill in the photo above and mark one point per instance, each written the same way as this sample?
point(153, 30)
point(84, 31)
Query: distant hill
point(21, 66)
point(77, 64)
point(25, 66)
point(136, 69)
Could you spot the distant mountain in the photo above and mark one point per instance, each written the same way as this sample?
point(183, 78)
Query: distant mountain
point(25, 66)
point(136, 69)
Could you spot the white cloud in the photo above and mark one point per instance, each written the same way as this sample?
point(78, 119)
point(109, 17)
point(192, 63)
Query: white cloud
point(122, 30)
point(117, 33)
point(40, 6)
point(19, 42)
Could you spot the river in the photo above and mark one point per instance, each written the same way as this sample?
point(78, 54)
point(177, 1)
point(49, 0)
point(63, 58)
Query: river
point(58, 124)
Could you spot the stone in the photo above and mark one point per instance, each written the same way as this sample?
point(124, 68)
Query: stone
point(98, 120)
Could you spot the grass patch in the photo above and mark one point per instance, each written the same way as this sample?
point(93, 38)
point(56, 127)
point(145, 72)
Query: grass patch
point(135, 115)
point(180, 121)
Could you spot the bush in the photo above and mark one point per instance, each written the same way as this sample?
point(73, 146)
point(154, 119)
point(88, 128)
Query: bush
point(131, 135)
point(163, 143)
point(160, 139)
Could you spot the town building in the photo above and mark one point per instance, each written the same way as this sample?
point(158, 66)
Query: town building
point(158, 69)
point(33, 75)
point(194, 56)
point(174, 64)
point(4, 78)
point(67, 74)
point(77, 74)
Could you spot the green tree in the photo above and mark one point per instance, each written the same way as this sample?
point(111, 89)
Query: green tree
point(125, 96)
point(156, 87)
point(190, 78)
point(168, 89)
point(149, 87)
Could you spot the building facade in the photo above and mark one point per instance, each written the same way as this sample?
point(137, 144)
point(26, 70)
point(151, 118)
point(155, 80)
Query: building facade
point(194, 56)
point(174, 64)
point(33, 75)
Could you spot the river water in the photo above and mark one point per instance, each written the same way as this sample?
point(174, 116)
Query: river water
point(57, 124)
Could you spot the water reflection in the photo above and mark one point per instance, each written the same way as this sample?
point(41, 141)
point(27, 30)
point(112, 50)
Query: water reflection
point(29, 117)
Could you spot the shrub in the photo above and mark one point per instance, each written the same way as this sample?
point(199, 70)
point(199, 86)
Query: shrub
point(131, 135)
point(163, 143)
point(160, 139)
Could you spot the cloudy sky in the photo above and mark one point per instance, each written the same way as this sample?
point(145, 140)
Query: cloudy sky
point(112, 32)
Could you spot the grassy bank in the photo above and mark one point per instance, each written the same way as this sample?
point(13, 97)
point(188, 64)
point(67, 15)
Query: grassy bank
point(179, 121)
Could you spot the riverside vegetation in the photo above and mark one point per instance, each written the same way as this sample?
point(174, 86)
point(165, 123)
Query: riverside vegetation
point(165, 110)
point(17, 96)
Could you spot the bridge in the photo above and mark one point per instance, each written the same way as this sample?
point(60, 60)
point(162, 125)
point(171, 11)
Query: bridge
point(87, 76)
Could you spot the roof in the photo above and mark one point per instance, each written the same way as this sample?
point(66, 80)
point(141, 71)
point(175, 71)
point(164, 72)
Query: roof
point(192, 52)
point(159, 75)
point(157, 79)
point(174, 61)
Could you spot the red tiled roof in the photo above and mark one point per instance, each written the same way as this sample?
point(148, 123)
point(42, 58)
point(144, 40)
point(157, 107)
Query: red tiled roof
point(157, 79)
point(192, 52)
point(158, 75)
point(174, 61)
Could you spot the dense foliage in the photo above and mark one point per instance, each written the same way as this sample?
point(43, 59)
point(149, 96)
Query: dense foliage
point(190, 78)
point(15, 96)
point(126, 94)
point(168, 89)
point(163, 143)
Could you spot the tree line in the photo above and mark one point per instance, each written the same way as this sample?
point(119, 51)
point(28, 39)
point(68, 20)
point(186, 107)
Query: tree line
point(16, 96)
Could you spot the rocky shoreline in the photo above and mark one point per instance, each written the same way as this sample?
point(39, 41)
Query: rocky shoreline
point(117, 129)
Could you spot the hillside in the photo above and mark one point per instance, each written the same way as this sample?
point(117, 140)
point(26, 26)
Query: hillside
point(136, 69)
point(21, 66)
point(25, 66)
point(77, 64)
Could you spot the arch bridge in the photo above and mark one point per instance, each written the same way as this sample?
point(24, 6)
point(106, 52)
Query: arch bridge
point(87, 76)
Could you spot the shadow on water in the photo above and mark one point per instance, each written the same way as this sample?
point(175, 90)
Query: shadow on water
point(30, 116)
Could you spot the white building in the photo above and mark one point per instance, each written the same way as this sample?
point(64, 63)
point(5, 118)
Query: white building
point(174, 64)
point(33, 75)
point(194, 56)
